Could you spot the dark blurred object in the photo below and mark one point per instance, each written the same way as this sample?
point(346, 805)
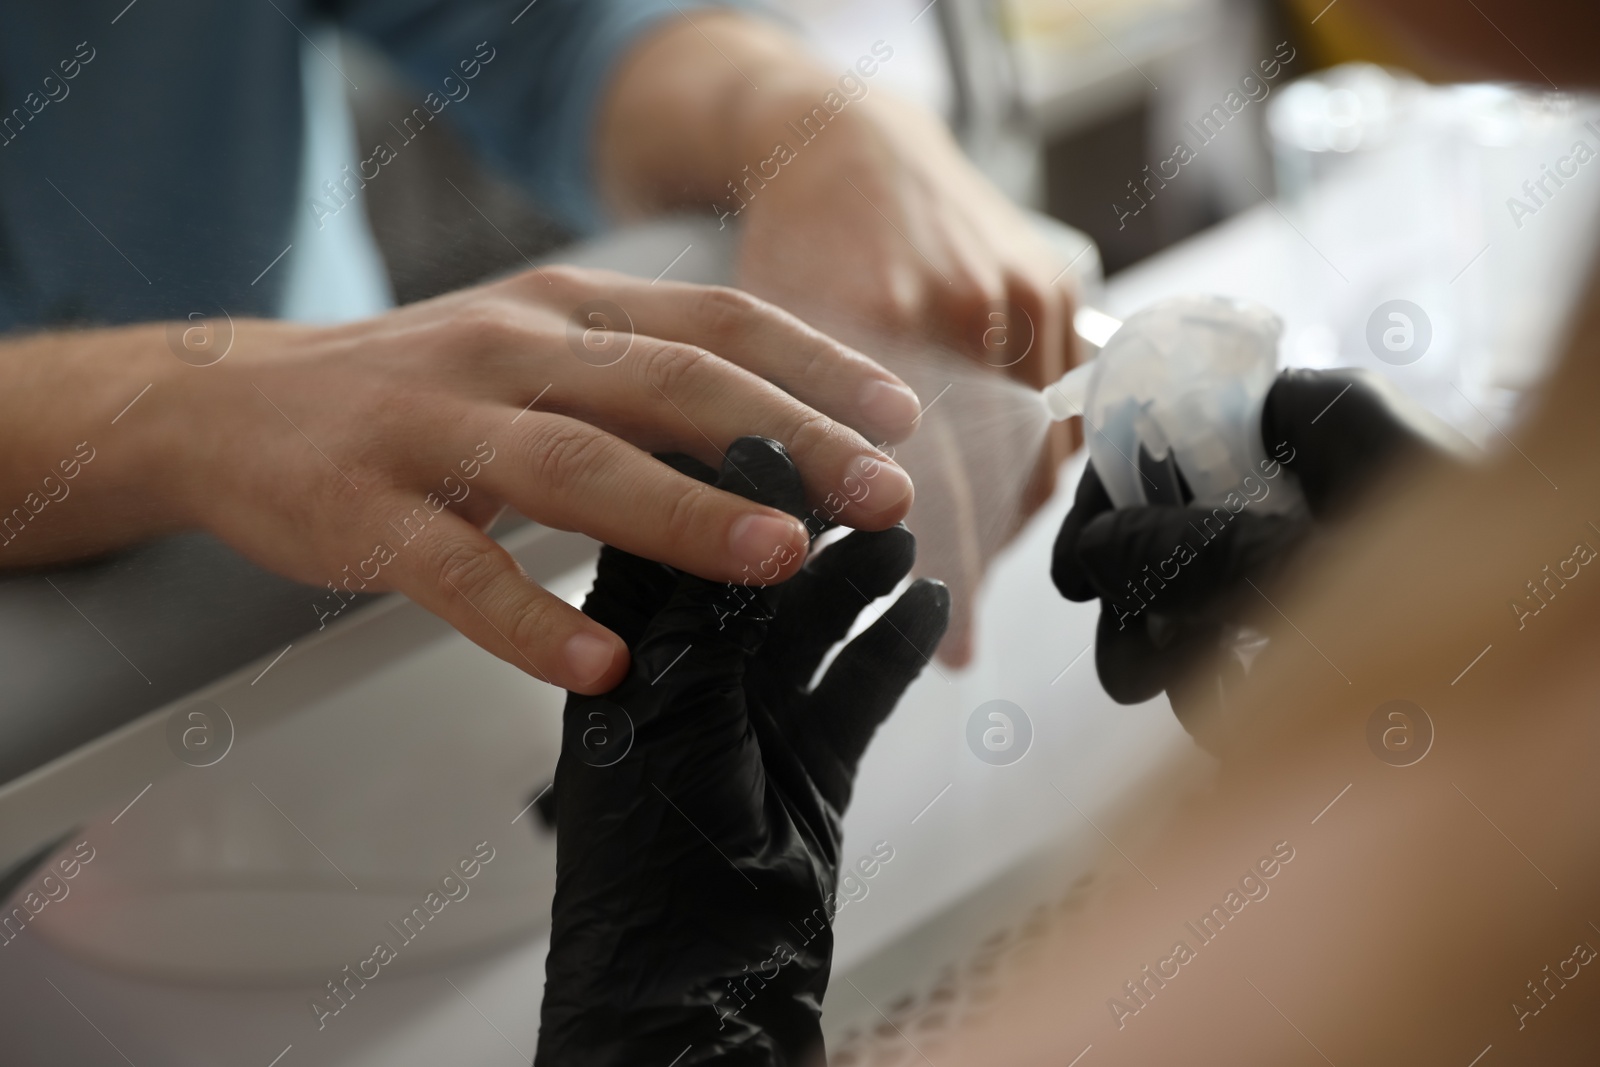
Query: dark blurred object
point(1088, 169)
point(435, 238)
point(1103, 142)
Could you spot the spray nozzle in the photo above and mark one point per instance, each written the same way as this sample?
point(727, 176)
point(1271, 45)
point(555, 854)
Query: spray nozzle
point(1065, 397)
point(1180, 386)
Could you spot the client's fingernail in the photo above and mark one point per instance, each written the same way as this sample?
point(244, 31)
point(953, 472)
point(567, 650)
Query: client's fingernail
point(756, 539)
point(888, 487)
point(888, 406)
point(589, 657)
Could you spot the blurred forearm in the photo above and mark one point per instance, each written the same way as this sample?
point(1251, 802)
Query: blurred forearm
point(684, 114)
point(82, 471)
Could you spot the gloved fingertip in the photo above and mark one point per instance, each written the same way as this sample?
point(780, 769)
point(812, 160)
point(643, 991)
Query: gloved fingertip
point(893, 651)
point(923, 614)
point(760, 469)
point(755, 450)
point(900, 643)
point(686, 464)
point(1068, 577)
point(873, 561)
point(1127, 663)
point(1124, 681)
point(897, 544)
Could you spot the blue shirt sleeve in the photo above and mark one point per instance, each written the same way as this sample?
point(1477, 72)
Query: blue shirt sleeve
point(541, 69)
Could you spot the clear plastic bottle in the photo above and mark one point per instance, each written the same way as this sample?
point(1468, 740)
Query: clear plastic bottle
point(1173, 402)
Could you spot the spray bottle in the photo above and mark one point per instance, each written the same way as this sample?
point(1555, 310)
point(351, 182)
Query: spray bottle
point(1172, 404)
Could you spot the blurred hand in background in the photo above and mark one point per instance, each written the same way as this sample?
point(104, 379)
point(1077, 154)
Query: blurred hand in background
point(860, 214)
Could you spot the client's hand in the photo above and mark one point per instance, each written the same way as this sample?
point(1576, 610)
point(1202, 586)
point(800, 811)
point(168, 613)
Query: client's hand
point(698, 804)
point(1175, 582)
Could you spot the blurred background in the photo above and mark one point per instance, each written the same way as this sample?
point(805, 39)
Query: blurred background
point(1061, 102)
point(1075, 109)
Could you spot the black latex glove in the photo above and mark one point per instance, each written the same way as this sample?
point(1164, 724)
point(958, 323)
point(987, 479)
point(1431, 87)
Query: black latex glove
point(698, 805)
point(1173, 580)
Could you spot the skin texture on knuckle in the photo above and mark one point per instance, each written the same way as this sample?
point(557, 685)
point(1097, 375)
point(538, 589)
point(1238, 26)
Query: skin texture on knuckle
point(685, 524)
point(813, 433)
point(562, 456)
point(332, 491)
point(461, 566)
point(390, 414)
point(483, 328)
point(675, 370)
point(825, 361)
point(560, 280)
point(726, 314)
point(534, 626)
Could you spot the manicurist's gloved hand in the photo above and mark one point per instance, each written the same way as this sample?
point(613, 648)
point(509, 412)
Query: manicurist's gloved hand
point(698, 804)
point(1174, 581)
